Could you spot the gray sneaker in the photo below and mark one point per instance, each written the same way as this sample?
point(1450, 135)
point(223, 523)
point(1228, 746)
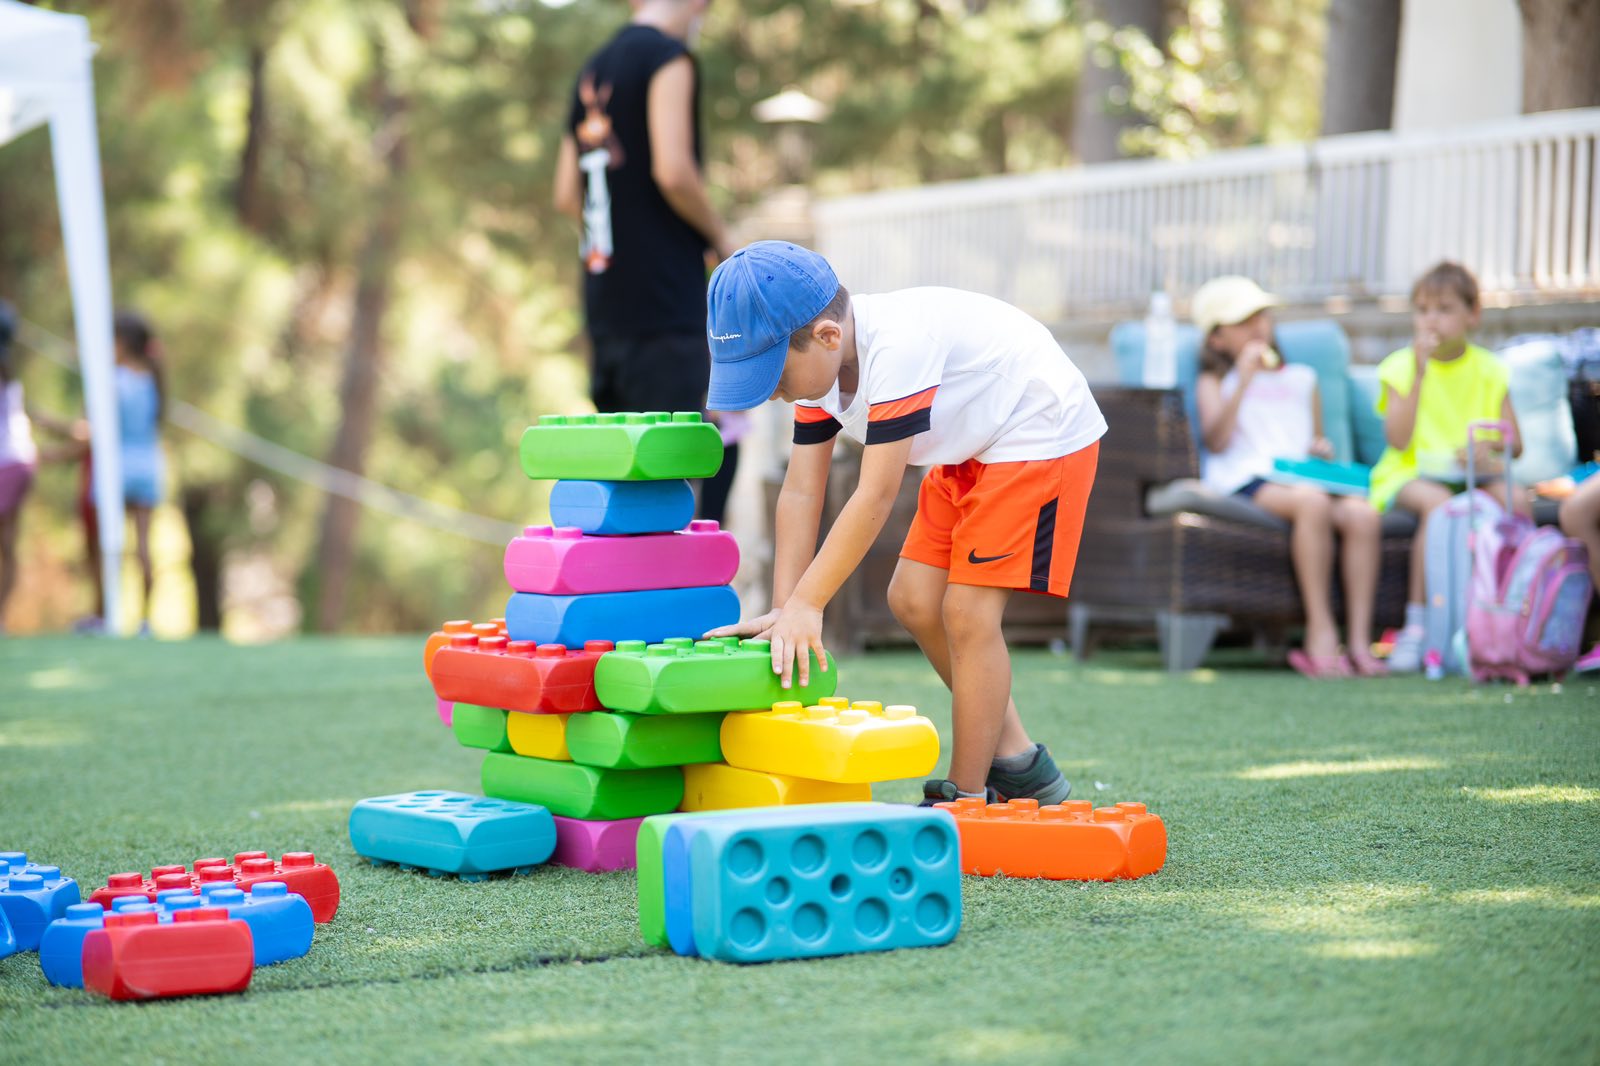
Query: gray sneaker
point(1406, 655)
point(1042, 780)
point(940, 790)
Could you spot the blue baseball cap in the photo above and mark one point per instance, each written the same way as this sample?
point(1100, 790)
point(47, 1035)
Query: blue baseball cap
point(757, 297)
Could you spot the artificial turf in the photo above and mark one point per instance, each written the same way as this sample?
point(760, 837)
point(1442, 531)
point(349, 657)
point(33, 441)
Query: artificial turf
point(1359, 871)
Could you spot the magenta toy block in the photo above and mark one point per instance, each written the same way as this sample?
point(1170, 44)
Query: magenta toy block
point(446, 709)
point(597, 846)
point(566, 562)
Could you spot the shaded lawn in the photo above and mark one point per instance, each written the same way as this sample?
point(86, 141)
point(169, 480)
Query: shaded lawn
point(1393, 871)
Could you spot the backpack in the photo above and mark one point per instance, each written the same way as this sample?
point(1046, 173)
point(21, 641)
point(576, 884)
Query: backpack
point(1529, 593)
point(1447, 570)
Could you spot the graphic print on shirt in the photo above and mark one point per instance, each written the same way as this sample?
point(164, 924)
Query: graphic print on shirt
point(599, 151)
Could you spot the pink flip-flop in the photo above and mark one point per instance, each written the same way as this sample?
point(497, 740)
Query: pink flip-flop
point(1318, 667)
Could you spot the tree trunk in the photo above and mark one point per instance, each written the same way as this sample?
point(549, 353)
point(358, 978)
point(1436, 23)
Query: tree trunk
point(247, 194)
point(1098, 122)
point(358, 391)
point(1560, 54)
point(1363, 45)
point(200, 502)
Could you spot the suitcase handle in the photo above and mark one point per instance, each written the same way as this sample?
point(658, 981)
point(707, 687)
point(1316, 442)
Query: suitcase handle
point(1485, 428)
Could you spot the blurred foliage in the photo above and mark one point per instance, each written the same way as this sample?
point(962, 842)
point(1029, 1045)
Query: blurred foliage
point(238, 227)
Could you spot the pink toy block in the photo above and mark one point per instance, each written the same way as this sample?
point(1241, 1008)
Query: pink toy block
point(446, 709)
point(568, 562)
point(596, 846)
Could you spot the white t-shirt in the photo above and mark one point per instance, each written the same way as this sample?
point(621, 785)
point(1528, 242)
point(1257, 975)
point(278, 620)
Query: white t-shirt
point(16, 431)
point(971, 377)
point(1274, 422)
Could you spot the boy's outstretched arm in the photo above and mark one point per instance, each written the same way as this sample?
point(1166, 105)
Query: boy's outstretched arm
point(795, 524)
point(798, 629)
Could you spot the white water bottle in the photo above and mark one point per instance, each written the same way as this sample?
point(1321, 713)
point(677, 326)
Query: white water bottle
point(1160, 344)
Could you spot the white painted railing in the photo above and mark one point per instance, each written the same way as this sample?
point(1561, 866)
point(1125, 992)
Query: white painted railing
point(1357, 216)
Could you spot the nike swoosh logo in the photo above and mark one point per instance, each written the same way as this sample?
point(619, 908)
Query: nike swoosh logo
point(974, 557)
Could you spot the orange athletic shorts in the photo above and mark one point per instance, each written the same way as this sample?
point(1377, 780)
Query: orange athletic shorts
point(1004, 525)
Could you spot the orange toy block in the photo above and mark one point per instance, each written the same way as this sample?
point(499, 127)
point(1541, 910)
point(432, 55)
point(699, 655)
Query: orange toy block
point(1071, 841)
point(441, 638)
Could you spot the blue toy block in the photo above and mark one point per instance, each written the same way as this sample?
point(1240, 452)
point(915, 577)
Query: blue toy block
point(61, 946)
point(870, 878)
point(651, 616)
point(8, 939)
point(280, 921)
point(452, 832)
point(33, 896)
point(611, 508)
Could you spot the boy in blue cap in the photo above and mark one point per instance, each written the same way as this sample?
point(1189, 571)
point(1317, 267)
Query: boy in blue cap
point(954, 380)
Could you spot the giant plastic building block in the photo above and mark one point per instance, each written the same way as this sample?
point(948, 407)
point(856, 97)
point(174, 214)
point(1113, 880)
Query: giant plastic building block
point(517, 675)
point(61, 946)
point(622, 447)
point(1072, 841)
point(280, 921)
point(575, 791)
point(596, 846)
point(567, 562)
point(31, 897)
point(540, 736)
point(651, 615)
point(837, 740)
point(300, 870)
point(136, 956)
point(452, 833)
point(720, 787)
point(635, 741)
point(440, 638)
point(680, 675)
point(8, 939)
point(611, 508)
point(480, 727)
point(758, 886)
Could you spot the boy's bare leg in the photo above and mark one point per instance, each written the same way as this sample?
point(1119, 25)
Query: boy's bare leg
point(917, 596)
point(980, 672)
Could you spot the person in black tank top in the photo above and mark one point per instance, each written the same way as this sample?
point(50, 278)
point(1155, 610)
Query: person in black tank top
point(629, 172)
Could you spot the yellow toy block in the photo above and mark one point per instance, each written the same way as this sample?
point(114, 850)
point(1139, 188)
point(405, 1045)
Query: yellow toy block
point(717, 786)
point(543, 736)
point(836, 740)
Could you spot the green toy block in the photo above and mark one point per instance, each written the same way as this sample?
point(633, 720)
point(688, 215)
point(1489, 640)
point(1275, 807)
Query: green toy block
point(652, 887)
point(575, 791)
point(685, 676)
point(622, 447)
point(480, 727)
point(635, 741)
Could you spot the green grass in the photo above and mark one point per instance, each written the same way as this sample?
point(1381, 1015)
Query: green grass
point(1394, 871)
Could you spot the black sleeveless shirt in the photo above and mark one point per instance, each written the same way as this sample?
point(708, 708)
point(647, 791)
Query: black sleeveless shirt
point(644, 266)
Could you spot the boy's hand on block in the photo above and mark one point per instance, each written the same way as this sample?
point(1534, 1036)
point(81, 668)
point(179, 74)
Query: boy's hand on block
point(753, 628)
point(797, 633)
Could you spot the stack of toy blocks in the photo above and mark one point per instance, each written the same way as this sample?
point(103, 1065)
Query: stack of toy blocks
point(787, 883)
point(594, 699)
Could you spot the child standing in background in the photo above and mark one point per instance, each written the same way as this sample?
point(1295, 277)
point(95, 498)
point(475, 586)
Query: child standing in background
point(1431, 392)
point(19, 456)
point(141, 399)
point(1255, 409)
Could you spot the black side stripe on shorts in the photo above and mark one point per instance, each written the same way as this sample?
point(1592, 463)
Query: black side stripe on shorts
point(816, 432)
point(1044, 543)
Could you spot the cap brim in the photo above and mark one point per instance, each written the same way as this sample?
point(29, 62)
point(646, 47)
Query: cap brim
point(739, 385)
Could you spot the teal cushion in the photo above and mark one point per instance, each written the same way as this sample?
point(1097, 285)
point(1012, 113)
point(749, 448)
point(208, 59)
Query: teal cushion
point(1366, 424)
point(1319, 344)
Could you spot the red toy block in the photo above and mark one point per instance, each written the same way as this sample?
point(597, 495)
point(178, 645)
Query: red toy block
point(441, 637)
point(517, 675)
point(300, 870)
point(1072, 841)
point(200, 952)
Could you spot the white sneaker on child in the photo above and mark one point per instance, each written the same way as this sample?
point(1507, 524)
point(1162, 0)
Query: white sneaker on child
point(1406, 655)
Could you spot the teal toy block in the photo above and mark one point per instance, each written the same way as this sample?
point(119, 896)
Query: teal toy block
point(576, 791)
point(480, 727)
point(452, 833)
point(653, 446)
point(685, 676)
point(636, 741)
point(761, 887)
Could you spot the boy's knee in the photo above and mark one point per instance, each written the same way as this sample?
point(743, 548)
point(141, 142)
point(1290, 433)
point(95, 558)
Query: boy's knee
point(969, 614)
point(910, 605)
